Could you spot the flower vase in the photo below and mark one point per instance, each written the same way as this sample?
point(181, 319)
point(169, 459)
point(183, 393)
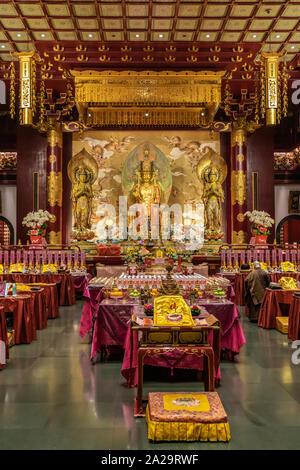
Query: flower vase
point(261, 239)
point(36, 236)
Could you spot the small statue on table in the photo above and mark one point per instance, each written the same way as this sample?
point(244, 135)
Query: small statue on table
point(169, 286)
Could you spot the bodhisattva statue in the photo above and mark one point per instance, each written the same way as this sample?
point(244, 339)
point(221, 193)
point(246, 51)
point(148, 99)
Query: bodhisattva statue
point(212, 197)
point(82, 196)
point(82, 171)
point(147, 190)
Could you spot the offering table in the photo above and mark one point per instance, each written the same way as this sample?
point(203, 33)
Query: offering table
point(187, 340)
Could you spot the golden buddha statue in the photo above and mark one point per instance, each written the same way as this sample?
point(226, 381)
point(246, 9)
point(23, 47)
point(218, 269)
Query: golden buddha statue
point(147, 190)
point(212, 196)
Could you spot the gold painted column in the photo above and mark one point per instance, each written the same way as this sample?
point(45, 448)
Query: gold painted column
point(239, 182)
point(27, 76)
point(54, 180)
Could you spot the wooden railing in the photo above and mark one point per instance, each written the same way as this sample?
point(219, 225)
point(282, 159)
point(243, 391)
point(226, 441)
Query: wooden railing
point(70, 255)
point(273, 255)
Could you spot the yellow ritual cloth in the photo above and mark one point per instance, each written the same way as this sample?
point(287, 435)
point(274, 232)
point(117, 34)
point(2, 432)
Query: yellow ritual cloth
point(287, 266)
point(186, 416)
point(288, 283)
point(172, 310)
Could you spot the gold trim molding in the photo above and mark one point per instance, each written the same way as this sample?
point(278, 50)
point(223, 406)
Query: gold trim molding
point(147, 87)
point(54, 186)
point(239, 237)
point(238, 187)
point(186, 117)
point(55, 238)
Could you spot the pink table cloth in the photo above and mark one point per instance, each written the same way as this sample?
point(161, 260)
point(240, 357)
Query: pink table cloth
point(111, 323)
point(232, 335)
point(92, 297)
point(81, 281)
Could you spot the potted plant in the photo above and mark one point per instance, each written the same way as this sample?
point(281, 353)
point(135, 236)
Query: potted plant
point(261, 222)
point(37, 223)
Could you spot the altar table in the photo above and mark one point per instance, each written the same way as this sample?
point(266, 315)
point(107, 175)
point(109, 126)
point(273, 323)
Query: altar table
point(294, 319)
point(276, 303)
point(24, 324)
point(4, 351)
point(172, 359)
point(113, 317)
point(239, 285)
point(62, 280)
point(92, 295)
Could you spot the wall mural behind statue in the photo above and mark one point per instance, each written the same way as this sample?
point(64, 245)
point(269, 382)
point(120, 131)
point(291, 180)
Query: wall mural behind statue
point(155, 166)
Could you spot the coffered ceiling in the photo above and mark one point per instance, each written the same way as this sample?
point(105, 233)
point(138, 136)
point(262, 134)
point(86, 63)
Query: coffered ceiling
point(151, 33)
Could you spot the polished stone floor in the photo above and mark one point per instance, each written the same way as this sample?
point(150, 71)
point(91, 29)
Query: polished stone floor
point(51, 397)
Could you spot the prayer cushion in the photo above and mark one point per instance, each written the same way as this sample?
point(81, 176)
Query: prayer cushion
point(282, 324)
point(186, 416)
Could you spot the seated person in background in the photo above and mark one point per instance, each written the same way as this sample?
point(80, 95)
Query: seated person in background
point(255, 283)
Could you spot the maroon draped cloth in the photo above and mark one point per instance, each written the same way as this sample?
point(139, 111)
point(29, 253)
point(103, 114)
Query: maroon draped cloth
point(51, 299)
point(81, 281)
point(294, 319)
point(239, 284)
point(39, 306)
point(66, 282)
point(232, 335)
point(111, 323)
point(3, 334)
point(24, 322)
point(275, 304)
point(92, 295)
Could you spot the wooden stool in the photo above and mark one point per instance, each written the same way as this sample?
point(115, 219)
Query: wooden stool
point(201, 351)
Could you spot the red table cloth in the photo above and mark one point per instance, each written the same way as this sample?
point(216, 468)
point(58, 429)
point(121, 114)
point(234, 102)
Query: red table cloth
point(294, 319)
point(276, 303)
point(92, 295)
point(51, 298)
point(81, 281)
point(113, 317)
point(65, 281)
point(39, 306)
point(4, 350)
point(22, 307)
point(111, 323)
point(232, 335)
point(239, 285)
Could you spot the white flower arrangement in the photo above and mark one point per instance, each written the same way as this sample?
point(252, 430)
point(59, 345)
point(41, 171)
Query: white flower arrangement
point(36, 219)
point(261, 221)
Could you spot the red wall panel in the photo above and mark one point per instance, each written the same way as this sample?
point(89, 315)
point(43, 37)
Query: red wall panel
point(32, 157)
point(260, 150)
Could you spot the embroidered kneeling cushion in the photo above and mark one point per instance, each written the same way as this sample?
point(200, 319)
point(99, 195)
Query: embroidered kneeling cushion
point(186, 416)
